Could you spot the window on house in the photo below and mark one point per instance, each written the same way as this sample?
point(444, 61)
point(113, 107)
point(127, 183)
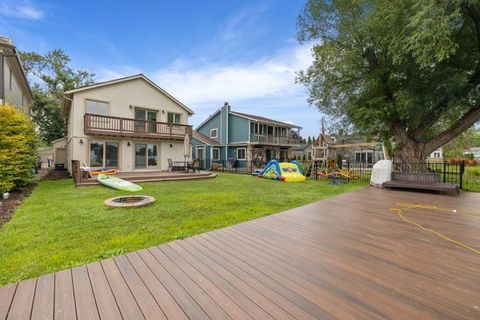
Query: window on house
point(214, 133)
point(241, 154)
point(97, 107)
point(364, 156)
point(173, 117)
point(104, 154)
point(143, 115)
point(200, 153)
point(146, 155)
point(215, 154)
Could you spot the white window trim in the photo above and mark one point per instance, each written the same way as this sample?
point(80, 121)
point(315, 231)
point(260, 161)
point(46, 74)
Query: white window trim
point(218, 158)
point(216, 133)
point(238, 158)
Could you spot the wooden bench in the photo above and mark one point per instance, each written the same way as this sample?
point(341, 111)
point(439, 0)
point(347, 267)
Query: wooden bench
point(421, 181)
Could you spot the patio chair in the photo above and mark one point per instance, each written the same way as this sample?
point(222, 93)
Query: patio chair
point(195, 165)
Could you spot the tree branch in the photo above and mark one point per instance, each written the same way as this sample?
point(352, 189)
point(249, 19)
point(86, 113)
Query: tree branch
point(465, 122)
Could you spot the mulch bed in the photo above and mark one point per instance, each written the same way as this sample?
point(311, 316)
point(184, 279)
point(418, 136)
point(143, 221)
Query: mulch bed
point(56, 175)
point(7, 207)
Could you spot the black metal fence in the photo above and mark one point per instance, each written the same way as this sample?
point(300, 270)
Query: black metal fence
point(447, 172)
point(359, 171)
point(231, 166)
point(348, 171)
point(434, 171)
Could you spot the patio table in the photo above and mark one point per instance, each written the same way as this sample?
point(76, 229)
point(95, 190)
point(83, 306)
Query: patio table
point(180, 165)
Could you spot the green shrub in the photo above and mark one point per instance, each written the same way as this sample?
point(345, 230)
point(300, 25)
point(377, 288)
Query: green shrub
point(17, 148)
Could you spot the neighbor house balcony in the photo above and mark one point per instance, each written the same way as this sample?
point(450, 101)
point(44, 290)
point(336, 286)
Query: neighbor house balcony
point(273, 139)
point(99, 125)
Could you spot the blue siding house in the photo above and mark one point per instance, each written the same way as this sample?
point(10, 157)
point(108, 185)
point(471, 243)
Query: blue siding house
point(249, 139)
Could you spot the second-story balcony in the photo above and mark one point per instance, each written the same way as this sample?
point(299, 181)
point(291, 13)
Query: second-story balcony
point(273, 139)
point(100, 125)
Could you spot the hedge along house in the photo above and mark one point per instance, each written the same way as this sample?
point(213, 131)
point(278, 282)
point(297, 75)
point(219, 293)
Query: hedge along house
point(249, 139)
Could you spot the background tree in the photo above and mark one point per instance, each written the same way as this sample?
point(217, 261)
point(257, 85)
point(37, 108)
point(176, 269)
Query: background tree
point(18, 146)
point(407, 71)
point(54, 76)
point(456, 148)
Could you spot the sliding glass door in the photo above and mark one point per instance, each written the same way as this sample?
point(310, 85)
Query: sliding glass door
point(146, 155)
point(104, 154)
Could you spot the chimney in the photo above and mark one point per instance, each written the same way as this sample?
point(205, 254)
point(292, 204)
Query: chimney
point(226, 106)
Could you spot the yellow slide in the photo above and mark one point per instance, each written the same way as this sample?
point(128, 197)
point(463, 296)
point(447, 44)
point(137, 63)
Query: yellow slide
point(291, 172)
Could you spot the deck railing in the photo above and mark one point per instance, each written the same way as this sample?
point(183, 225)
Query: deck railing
point(273, 139)
point(95, 124)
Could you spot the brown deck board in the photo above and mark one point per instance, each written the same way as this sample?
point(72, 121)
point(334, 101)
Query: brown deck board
point(64, 295)
point(241, 298)
point(253, 288)
point(182, 296)
point(106, 304)
point(229, 305)
point(6, 297)
point(125, 300)
point(347, 257)
point(22, 304)
point(168, 304)
point(145, 300)
point(84, 298)
point(274, 291)
point(211, 308)
point(44, 297)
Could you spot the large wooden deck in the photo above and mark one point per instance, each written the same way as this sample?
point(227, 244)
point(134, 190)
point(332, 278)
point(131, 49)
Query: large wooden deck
point(347, 257)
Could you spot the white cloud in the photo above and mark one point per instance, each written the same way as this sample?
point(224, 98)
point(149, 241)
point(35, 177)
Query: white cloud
point(263, 78)
point(21, 11)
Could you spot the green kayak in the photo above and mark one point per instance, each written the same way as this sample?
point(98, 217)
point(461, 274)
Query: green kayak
point(117, 183)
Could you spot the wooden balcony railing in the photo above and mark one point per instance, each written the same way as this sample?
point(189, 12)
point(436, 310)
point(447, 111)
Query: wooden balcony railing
point(99, 125)
point(272, 139)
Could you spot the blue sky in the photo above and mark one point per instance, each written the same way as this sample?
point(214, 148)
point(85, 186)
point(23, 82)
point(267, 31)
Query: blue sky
point(202, 52)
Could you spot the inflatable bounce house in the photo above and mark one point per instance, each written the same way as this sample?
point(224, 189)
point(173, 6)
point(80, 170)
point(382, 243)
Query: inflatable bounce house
point(283, 171)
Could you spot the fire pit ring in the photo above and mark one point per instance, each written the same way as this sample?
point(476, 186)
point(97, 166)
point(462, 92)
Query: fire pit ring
point(129, 201)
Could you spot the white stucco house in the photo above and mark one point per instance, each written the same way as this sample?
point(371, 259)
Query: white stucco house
point(129, 123)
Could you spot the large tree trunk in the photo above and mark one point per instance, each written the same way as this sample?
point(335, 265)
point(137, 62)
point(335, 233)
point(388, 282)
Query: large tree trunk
point(409, 155)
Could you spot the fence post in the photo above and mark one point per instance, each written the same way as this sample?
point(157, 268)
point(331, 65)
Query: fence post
point(462, 170)
point(444, 171)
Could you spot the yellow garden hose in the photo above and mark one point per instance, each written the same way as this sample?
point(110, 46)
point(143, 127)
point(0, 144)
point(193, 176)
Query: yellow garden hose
point(407, 206)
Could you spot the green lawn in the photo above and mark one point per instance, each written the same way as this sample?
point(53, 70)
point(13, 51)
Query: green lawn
point(471, 179)
point(60, 226)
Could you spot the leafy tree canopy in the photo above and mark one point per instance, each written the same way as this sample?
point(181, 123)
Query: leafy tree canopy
point(407, 71)
point(55, 76)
